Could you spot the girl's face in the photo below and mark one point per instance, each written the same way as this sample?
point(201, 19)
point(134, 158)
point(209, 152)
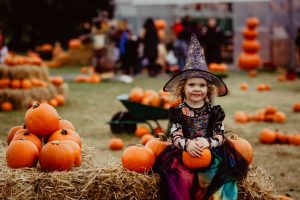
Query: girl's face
point(195, 90)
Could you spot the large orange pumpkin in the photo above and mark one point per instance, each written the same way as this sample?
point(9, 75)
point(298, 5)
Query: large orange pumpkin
point(65, 134)
point(196, 162)
point(22, 153)
point(138, 158)
point(157, 145)
point(243, 147)
point(56, 155)
point(42, 119)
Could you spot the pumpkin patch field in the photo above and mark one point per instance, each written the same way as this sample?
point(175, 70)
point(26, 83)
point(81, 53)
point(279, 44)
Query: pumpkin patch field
point(90, 106)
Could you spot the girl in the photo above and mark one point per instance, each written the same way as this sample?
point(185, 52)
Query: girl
point(195, 125)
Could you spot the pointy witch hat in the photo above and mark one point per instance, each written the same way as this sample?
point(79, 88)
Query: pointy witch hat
point(196, 67)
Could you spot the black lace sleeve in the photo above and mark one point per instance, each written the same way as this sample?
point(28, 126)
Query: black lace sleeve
point(216, 127)
point(176, 133)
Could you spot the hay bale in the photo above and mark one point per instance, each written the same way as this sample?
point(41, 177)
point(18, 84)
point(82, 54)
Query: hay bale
point(24, 72)
point(80, 56)
point(111, 182)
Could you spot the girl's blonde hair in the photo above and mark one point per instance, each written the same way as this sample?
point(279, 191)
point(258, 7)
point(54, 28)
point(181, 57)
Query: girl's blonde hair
point(180, 94)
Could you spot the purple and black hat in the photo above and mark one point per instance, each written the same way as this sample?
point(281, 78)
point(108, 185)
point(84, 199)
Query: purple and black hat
point(196, 67)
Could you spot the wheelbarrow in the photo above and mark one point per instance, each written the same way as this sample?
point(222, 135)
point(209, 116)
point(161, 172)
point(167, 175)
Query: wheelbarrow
point(126, 122)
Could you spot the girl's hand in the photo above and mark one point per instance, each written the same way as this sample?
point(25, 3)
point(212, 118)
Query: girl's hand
point(194, 149)
point(202, 142)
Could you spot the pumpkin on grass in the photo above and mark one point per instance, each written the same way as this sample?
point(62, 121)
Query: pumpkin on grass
point(157, 145)
point(56, 155)
point(116, 144)
point(267, 136)
point(42, 119)
point(243, 147)
point(197, 162)
point(22, 153)
point(138, 158)
point(6, 106)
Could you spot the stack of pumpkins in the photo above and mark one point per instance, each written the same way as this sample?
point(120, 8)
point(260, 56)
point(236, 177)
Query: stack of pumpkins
point(45, 138)
point(152, 98)
point(250, 59)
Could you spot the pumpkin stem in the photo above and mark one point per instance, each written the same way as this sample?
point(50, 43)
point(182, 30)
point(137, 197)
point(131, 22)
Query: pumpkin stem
point(36, 105)
point(162, 137)
point(64, 132)
point(26, 132)
point(234, 137)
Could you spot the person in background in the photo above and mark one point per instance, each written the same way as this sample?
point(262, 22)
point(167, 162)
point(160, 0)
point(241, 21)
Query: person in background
point(150, 42)
point(3, 47)
point(213, 40)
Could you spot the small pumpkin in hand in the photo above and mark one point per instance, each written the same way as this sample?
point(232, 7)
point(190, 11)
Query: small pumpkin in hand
point(197, 162)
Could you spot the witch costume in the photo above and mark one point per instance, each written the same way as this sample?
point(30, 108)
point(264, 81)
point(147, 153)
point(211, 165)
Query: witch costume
point(218, 180)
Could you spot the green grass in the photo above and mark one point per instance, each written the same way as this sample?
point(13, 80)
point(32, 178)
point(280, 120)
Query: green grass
point(90, 106)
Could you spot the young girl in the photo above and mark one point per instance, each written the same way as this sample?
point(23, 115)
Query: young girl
point(197, 124)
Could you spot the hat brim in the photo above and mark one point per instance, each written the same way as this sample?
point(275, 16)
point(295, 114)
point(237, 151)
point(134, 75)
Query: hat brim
point(196, 73)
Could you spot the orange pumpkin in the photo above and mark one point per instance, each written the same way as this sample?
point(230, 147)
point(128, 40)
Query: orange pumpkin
point(22, 153)
point(146, 138)
point(296, 107)
point(252, 22)
point(6, 106)
point(60, 99)
point(75, 44)
point(244, 86)
point(243, 147)
point(15, 84)
point(23, 133)
point(11, 133)
point(252, 73)
point(56, 155)
point(53, 102)
point(249, 34)
point(138, 158)
point(42, 119)
point(157, 145)
point(26, 84)
point(196, 162)
point(282, 138)
point(279, 117)
point(142, 130)
point(282, 197)
point(77, 151)
point(66, 124)
point(241, 117)
point(267, 136)
point(250, 46)
point(116, 144)
point(4, 82)
point(65, 134)
point(57, 80)
point(249, 61)
point(136, 95)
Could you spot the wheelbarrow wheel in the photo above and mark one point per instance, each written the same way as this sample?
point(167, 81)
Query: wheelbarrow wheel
point(122, 122)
